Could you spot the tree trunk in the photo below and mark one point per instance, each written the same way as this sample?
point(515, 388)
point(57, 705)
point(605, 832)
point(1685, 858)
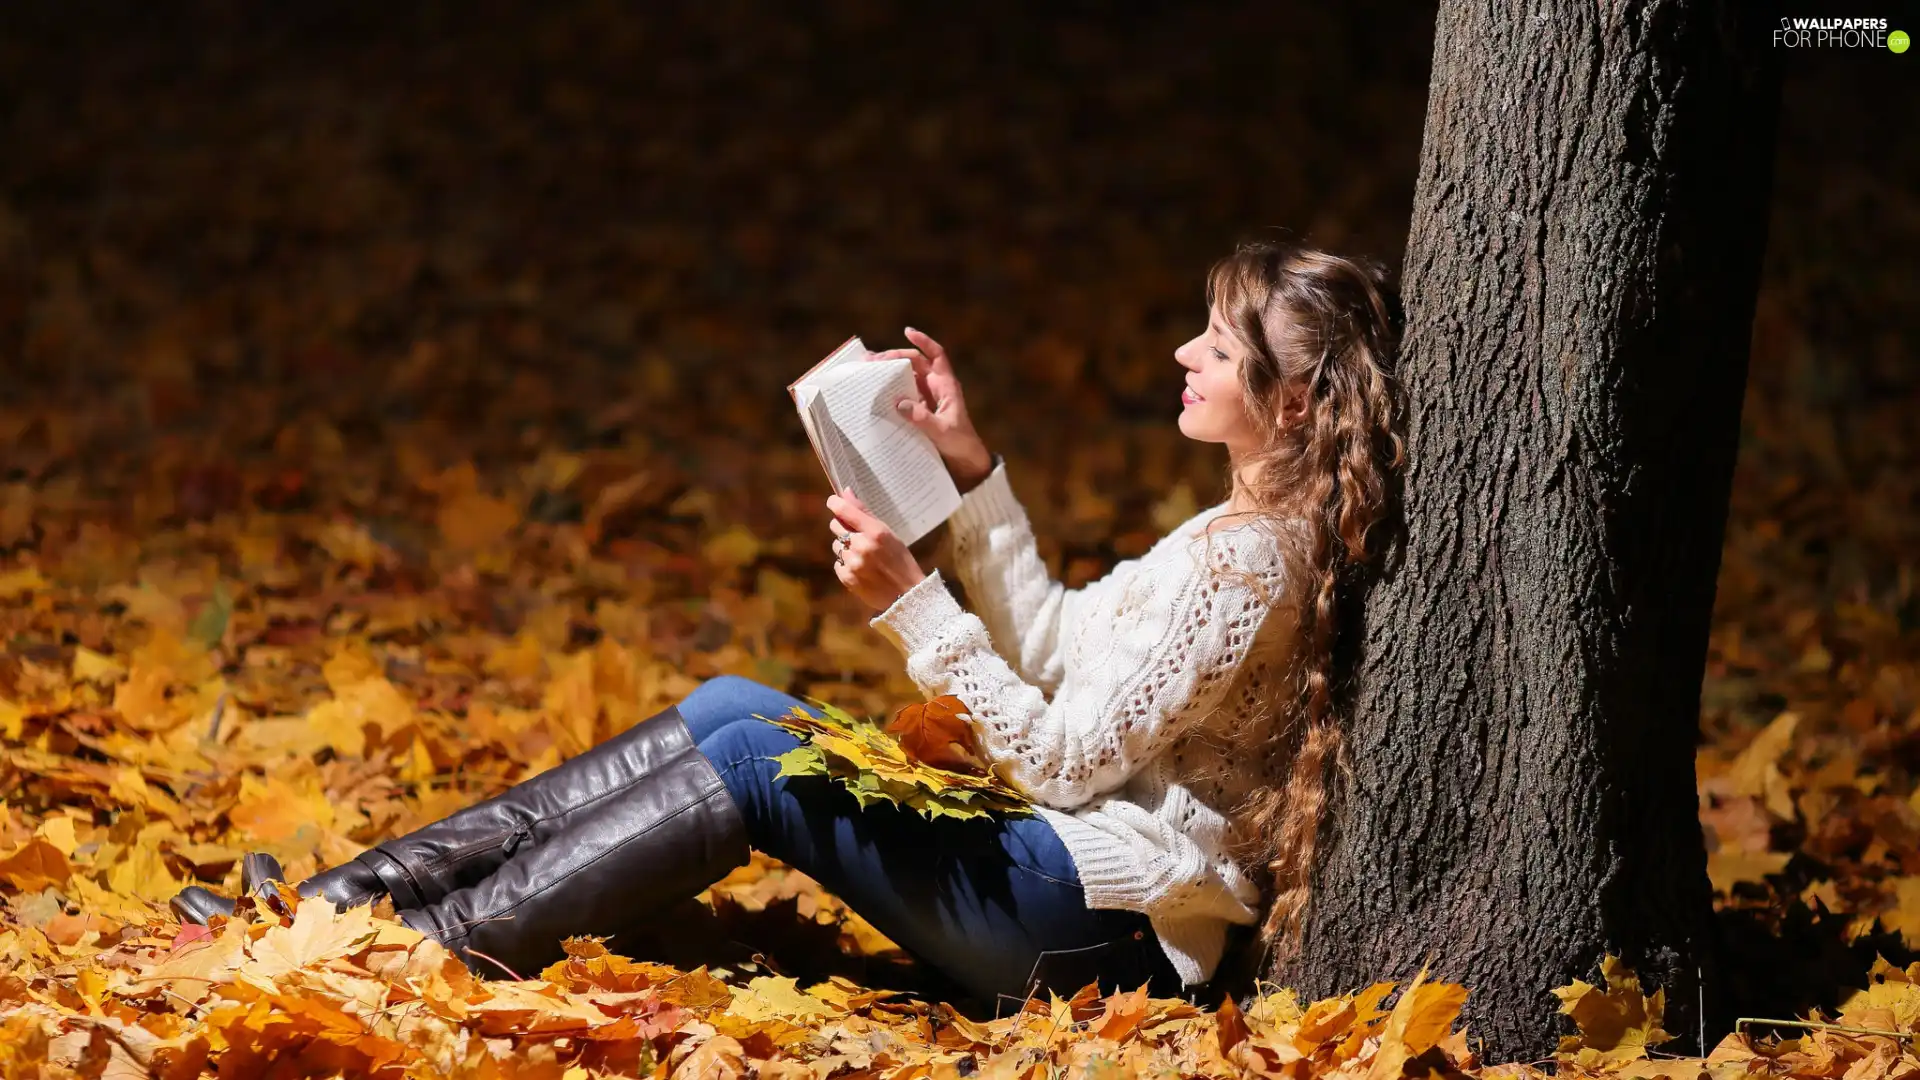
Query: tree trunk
point(1580, 278)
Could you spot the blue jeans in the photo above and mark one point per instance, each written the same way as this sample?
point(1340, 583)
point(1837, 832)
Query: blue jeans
point(993, 904)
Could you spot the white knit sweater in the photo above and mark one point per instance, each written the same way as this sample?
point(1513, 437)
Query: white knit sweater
point(1117, 714)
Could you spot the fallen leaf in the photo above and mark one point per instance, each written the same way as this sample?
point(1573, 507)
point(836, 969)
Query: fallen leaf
point(1617, 1025)
point(35, 865)
point(90, 666)
point(318, 933)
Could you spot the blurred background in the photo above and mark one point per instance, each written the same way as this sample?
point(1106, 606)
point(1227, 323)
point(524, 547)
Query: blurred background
point(439, 331)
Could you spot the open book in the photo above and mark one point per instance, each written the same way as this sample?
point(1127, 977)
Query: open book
point(846, 403)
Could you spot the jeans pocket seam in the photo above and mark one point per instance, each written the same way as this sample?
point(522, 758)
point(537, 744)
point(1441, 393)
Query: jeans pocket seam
point(1044, 876)
point(1033, 857)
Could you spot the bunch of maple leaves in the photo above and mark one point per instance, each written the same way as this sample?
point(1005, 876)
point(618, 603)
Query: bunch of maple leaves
point(926, 759)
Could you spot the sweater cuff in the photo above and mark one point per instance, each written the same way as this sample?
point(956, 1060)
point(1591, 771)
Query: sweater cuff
point(919, 616)
point(990, 503)
point(1110, 872)
point(1193, 946)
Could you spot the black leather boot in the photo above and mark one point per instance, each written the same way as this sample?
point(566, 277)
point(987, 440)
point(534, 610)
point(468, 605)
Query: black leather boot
point(466, 846)
point(197, 903)
point(653, 842)
point(469, 845)
point(348, 885)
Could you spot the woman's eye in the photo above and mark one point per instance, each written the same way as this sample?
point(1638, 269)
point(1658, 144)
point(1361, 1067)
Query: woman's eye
point(1219, 355)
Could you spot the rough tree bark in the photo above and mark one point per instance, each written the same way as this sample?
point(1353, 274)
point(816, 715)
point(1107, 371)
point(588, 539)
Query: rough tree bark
point(1580, 278)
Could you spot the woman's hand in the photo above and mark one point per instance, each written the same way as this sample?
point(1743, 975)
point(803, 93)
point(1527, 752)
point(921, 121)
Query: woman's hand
point(867, 557)
point(941, 411)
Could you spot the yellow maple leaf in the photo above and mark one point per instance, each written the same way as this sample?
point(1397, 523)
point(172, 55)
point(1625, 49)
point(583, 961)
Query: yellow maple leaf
point(417, 765)
point(319, 932)
point(186, 660)
point(142, 699)
point(1756, 771)
point(106, 902)
point(142, 872)
point(35, 865)
point(130, 787)
point(530, 1008)
point(734, 547)
point(338, 724)
point(1903, 914)
point(150, 605)
point(471, 521)
point(348, 663)
point(792, 602)
point(275, 810)
point(776, 997)
point(1896, 990)
point(359, 699)
point(719, 1058)
point(90, 666)
point(1728, 867)
point(25, 579)
point(59, 831)
point(195, 969)
point(521, 658)
point(1323, 1021)
point(1617, 1024)
point(1420, 1019)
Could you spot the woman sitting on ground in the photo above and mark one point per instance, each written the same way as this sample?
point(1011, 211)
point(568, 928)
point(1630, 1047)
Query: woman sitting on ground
point(1170, 721)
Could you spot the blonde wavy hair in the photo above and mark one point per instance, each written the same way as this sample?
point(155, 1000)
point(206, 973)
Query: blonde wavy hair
point(1330, 327)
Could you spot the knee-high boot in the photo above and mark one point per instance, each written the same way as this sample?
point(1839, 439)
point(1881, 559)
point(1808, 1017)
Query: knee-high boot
point(652, 843)
point(468, 845)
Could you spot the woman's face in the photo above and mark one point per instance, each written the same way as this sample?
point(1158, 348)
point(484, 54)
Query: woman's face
point(1213, 362)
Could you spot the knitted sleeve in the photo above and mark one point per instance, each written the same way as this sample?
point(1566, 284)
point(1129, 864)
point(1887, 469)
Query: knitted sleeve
point(998, 560)
point(1148, 677)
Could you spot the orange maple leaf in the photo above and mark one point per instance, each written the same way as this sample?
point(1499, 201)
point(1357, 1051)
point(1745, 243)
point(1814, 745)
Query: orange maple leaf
point(939, 733)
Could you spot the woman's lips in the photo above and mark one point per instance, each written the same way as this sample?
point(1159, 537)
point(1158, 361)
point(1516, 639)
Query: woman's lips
point(1188, 397)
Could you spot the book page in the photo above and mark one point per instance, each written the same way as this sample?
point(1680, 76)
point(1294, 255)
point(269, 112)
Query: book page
point(850, 350)
point(828, 442)
point(806, 397)
point(890, 464)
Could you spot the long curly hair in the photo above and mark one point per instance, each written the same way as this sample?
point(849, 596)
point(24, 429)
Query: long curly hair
point(1330, 326)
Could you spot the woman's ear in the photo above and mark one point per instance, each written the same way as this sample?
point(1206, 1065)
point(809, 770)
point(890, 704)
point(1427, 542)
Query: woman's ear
point(1298, 400)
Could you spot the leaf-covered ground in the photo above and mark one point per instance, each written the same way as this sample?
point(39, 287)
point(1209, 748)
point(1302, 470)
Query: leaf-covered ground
point(391, 406)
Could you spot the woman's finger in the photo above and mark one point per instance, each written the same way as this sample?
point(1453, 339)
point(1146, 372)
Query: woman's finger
point(845, 515)
point(921, 365)
point(936, 354)
point(915, 411)
point(856, 516)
